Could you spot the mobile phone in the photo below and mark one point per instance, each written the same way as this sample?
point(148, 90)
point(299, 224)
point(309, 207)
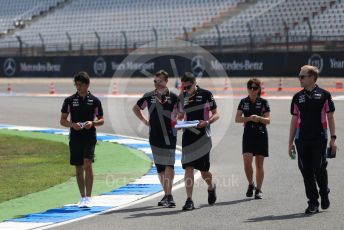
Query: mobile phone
point(82, 124)
point(330, 154)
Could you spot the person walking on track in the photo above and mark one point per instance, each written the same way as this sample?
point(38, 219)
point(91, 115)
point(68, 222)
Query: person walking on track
point(254, 112)
point(199, 104)
point(312, 111)
point(162, 107)
point(86, 113)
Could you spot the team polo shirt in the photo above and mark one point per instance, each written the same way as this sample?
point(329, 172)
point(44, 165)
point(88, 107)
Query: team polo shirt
point(259, 107)
point(162, 117)
point(197, 107)
point(311, 109)
point(82, 110)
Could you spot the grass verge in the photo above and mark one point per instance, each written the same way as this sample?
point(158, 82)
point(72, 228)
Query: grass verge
point(115, 166)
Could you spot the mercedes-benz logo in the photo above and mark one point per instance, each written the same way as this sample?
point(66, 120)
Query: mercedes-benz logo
point(197, 66)
point(99, 66)
point(9, 67)
point(317, 61)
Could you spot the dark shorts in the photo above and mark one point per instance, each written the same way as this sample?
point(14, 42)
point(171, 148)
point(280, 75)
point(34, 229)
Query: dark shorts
point(201, 164)
point(255, 141)
point(80, 150)
point(160, 141)
point(162, 168)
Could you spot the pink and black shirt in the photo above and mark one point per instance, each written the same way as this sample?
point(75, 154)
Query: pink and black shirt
point(311, 108)
point(162, 117)
point(197, 107)
point(82, 110)
point(259, 107)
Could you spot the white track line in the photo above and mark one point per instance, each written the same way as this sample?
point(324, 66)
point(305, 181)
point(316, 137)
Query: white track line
point(121, 201)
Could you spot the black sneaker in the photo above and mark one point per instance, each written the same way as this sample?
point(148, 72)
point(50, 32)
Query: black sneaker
point(212, 195)
point(325, 202)
point(250, 190)
point(258, 195)
point(189, 205)
point(163, 201)
point(170, 202)
point(312, 208)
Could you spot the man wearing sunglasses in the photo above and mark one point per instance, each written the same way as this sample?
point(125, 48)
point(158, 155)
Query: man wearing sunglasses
point(162, 108)
point(312, 111)
point(197, 104)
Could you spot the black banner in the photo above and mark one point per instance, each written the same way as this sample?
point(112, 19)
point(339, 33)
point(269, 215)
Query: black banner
point(235, 64)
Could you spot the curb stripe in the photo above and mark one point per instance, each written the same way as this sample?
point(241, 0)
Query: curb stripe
point(145, 186)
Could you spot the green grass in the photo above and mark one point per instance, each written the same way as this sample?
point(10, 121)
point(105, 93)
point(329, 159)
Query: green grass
point(28, 165)
point(115, 165)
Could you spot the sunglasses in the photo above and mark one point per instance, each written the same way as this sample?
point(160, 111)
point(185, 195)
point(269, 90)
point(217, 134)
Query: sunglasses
point(301, 77)
point(255, 88)
point(157, 81)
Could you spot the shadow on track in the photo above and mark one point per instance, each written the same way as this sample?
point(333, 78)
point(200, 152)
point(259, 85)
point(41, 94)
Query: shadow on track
point(281, 217)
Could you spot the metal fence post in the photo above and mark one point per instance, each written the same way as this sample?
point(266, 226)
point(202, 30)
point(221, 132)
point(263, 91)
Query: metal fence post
point(98, 43)
point(43, 44)
point(20, 45)
point(219, 40)
point(70, 43)
point(286, 30)
point(310, 38)
point(186, 35)
point(156, 38)
point(251, 36)
point(125, 42)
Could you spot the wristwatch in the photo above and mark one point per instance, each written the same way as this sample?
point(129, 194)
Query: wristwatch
point(333, 137)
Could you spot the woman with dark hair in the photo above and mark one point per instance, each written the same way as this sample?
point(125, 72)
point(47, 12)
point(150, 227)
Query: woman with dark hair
point(254, 112)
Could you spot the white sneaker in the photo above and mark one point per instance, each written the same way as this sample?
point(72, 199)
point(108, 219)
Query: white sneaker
point(81, 203)
point(88, 202)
